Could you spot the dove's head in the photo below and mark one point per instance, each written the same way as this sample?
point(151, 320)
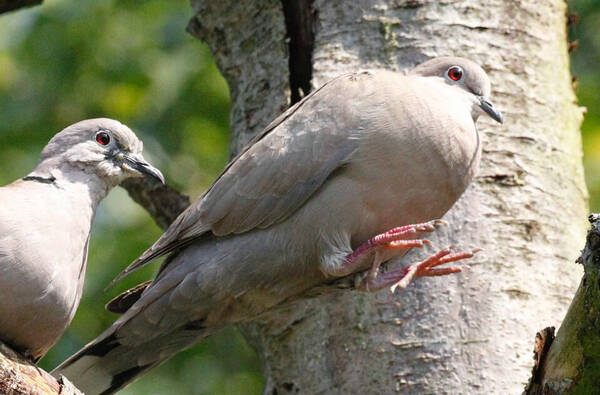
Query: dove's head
point(466, 75)
point(100, 146)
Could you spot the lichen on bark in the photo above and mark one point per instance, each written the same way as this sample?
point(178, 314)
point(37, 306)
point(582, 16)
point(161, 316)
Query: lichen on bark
point(573, 362)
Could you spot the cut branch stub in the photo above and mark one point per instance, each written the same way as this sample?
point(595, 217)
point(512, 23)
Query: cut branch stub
point(572, 364)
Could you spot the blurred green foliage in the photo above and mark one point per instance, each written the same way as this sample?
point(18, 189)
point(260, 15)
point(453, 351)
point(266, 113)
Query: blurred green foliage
point(132, 60)
point(585, 65)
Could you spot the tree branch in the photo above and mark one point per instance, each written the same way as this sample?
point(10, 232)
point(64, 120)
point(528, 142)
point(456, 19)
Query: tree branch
point(19, 376)
point(163, 202)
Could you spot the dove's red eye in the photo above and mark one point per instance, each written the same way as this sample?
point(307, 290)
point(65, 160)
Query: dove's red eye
point(455, 73)
point(102, 138)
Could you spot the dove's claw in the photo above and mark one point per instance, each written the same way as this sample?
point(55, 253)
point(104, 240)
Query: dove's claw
point(401, 278)
point(384, 244)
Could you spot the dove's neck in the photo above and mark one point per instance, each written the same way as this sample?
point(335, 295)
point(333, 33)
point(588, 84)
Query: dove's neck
point(71, 179)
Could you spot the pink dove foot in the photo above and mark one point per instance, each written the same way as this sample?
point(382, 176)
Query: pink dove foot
point(383, 246)
point(401, 278)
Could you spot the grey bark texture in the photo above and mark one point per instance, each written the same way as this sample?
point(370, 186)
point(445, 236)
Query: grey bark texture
point(468, 333)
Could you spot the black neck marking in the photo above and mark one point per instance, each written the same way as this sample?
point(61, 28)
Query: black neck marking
point(43, 180)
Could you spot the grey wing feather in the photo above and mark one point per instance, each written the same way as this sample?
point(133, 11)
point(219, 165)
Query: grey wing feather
point(274, 175)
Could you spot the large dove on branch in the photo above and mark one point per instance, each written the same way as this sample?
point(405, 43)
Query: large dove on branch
point(45, 221)
point(346, 179)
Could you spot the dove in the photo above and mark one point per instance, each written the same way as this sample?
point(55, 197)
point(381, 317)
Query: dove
point(45, 222)
point(345, 180)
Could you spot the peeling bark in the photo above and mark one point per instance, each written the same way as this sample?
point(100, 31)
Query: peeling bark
point(543, 341)
point(462, 334)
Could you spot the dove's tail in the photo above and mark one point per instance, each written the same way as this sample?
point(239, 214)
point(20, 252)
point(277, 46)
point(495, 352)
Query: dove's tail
point(149, 332)
point(104, 366)
point(198, 291)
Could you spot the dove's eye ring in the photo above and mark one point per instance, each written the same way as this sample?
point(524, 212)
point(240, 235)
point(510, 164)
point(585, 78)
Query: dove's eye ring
point(102, 138)
point(455, 73)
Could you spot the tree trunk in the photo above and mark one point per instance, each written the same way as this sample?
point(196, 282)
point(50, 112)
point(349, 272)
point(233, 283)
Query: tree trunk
point(467, 333)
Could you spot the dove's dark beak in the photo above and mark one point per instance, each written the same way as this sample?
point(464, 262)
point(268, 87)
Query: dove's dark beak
point(490, 110)
point(138, 164)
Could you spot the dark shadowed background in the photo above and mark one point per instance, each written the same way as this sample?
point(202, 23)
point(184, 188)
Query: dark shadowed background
point(133, 61)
